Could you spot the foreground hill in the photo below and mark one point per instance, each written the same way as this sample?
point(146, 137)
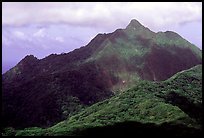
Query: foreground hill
point(43, 92)
point(168, 108)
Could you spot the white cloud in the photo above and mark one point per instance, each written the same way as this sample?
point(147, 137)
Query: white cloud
point(59, 39)
point(40, 33)
point(5, 41)
point(19, 35)
point(101, 14)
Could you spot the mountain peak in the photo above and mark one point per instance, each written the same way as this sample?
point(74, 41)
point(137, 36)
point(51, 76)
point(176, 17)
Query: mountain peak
point(134, 24)
point(28, 59)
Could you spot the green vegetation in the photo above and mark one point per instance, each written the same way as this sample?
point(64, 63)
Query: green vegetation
point(70, 106)
point(187, 83)
point(124, 49)
point(61, 87)
point(147, 102)
point(172, 39)
point(185, 91)
point(9, 131)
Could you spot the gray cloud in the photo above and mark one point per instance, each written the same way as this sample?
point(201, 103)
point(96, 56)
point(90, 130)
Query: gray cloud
point(100, 14)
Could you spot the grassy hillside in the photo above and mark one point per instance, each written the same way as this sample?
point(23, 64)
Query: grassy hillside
point(171, 107)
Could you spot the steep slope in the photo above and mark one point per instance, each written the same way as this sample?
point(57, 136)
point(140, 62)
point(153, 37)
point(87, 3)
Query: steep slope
point(43, 92)
point(145, 109)
point(185, 91)
point(152, 56)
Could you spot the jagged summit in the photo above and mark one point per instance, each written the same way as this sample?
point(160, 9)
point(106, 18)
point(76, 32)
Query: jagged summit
point(135, 28)
point(32, 57)
point(28, 59)
point(134, 24)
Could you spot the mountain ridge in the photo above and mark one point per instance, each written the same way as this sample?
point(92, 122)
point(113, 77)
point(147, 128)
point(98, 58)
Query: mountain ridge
point(107, 65)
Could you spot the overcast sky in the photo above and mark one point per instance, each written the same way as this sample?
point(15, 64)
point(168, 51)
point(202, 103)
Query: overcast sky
point(42, 28)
